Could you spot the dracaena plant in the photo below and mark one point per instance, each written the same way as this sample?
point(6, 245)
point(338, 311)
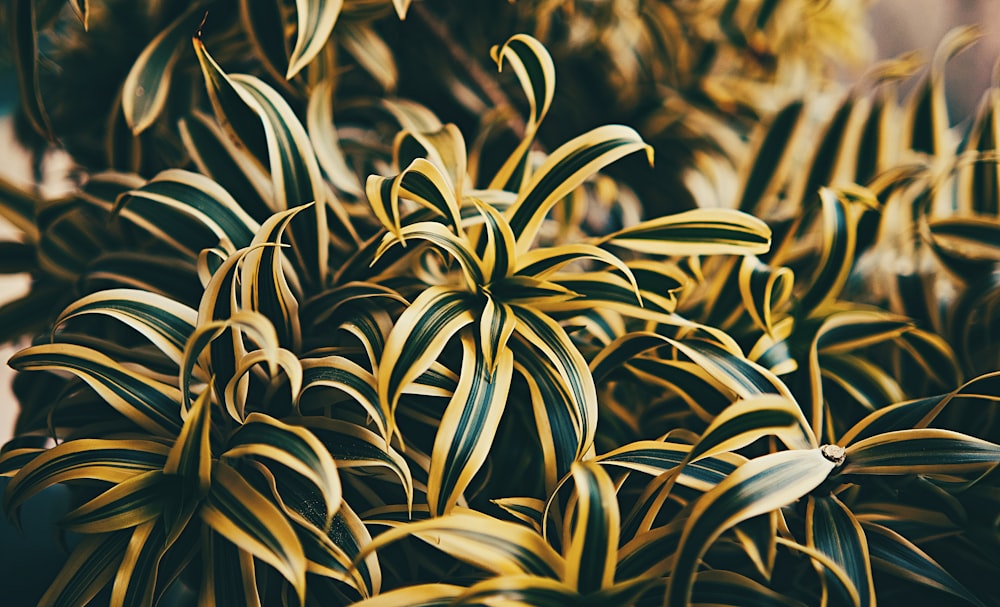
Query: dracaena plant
point(285, 384)
point(691, 77)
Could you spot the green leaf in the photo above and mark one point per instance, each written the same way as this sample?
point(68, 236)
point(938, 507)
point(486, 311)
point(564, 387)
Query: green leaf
point(746, 421)
point(342, 374)
point(519, 590)
point(772, 156)
point(841, 212)
point(656, 457)
point(416, 340)
point(19, 207)
point(164, 322)
point(536, 73)
point(152, 405)
point(326, 142)
point(765, 290)
point(135, 583)
point(191, 455)
point(468, 426)
point(243, 516)
point(730, 589)
point(417, 595)
point(23, 30)
point(90, 567)
point(110, 461)
point(563, 171)
point(759, 486)
point(230, 573)
point(293, 447)
point(484, 542)
point(232, 166)
point(696, 232)
point(133, 502)
point(546, 339)
point(894, 553)
point(315, 19)
point(832, 529)
point(144, 93)
point(920, 451)
point(371, 52)
point(592, 551)
point(177, 205)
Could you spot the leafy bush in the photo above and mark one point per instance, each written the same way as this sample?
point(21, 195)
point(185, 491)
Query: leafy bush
point(395, 361)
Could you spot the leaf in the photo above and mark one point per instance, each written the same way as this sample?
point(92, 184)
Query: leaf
point(135, 581)
point(371, 52)
point(343, 374)
point(759, 486)
point(833, 529)
point(243, 516)
point(719, 587)
point(315, 19)
point(920, 451)
point(897, 555)
point(326, 142)
point(592, 551)
point(164, 322)
point(518, 590)
point(144, 93)
point(230, 573)
point(416, 340)
point(695, 232)
point(22, 26)
point(468, 426)
point(230, 165)
point(841, 212)
point(547, 340)
point(422, 182)
point(133, 502)
point(501, 547)
point(536, 73)
point(563, 171)
point(417, 595)
point(171, 202)
point(191, 455)
point(765, 290)
point(265, 280)
point(107, 460)
point(772, 156)
point(746, 421)
point(19, 207)
point(238, 119)
point(148, 403)
point(90, 567)
point(656, 457)
point(293, 447)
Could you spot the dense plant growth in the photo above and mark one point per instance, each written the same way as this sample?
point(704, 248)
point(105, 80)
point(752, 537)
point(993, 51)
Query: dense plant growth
point(339, 315)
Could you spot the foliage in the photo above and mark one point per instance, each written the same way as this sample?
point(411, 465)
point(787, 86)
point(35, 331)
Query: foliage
point(395, 361)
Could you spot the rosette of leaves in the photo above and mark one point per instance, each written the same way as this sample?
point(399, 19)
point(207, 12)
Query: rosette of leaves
point(323, 372)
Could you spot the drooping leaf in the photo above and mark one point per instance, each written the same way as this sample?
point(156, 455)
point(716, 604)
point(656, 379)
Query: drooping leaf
point(144, 93)
point(150, 404)
point(761, 485)
point(90, 567)
point(243, 516)
point(487, 543)
point(833, 530)
point(315, 19)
